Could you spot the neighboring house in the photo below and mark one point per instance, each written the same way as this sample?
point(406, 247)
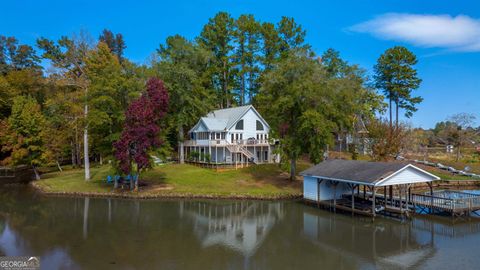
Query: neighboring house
point(231, 136)
point(357, 138)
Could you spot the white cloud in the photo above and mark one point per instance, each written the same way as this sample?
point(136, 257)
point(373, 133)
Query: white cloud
point(460, 33)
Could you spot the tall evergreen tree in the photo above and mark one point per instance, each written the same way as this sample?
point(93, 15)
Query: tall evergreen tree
point(292, 36)
point(396, 75)
point(217, 36)
point(247, 36)
point(271, 45)
point(16, 57)
point(115, 42)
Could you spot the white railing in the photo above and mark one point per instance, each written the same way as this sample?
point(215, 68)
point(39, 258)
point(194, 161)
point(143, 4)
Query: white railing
point(225, 142)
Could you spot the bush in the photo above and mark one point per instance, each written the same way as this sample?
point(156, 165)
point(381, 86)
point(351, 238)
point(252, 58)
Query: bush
point(193, 156)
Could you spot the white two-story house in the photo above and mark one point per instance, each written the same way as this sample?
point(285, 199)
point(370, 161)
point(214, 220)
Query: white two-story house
point(231, 136)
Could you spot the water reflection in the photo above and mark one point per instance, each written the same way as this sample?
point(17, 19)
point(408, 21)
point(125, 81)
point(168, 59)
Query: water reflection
point(241, 226)
point(83, 233)
point(382, 243)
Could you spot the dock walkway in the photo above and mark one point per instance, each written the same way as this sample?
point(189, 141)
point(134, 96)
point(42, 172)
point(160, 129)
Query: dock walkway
point(455, 203)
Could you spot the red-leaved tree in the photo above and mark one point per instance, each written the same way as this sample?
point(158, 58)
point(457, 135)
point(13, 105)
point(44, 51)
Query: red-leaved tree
point(141, 130)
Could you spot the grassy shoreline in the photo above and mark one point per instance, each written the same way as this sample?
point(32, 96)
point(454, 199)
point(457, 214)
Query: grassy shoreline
point(265, 182)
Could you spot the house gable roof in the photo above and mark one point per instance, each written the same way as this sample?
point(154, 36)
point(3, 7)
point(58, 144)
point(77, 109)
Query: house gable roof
point(361, 172)
point(225, 119)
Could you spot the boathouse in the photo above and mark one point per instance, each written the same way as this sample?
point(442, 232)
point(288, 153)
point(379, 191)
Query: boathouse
point(364, 187)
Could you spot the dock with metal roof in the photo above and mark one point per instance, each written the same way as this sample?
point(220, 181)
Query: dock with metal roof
point(373, 188)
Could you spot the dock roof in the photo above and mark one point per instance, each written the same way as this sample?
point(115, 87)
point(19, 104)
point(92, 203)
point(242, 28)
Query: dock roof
point(361, 172)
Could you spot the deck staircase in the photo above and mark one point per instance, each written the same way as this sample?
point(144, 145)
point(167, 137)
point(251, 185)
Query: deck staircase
point(238, 148)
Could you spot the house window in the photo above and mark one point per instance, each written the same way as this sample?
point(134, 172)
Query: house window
point(217, 135)
point(239, 125)
point(259, 125)
point(266, 156)
point(232, 137)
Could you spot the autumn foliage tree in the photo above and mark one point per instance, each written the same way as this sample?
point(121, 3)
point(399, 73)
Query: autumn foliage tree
point(386, 143)
point(141, 130)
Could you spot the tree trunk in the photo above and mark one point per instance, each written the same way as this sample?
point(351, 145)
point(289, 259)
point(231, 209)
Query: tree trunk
point(181, 153)
point(101, 159)
point(390, 109)
point(35, 171)
point(458, 153)
point(225, 84)
point(396, 114)
point(85, 147)
point(242, 102)
point(293, 169)
point(59, 167)
point(74, 163)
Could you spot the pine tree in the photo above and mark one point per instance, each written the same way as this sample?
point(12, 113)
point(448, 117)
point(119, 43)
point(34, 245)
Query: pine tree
point(247, 36)
point(217, 36)
point(396, 76)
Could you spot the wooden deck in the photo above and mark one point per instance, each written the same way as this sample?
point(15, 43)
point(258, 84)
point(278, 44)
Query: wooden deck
point(452, 202)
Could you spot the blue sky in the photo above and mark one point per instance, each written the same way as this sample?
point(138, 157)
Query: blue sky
point(445, 35)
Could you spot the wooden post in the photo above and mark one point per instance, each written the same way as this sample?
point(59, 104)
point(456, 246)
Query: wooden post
point(353, 198)
point(431, 196)
point(385, 196)
point(335, 197)
point(410, 193)
point(407, 195)
point(373, 201)
point(391, 195)
point(318, 192)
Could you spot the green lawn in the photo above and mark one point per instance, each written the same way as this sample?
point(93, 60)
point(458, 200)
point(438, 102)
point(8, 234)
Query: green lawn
point(183, 180)
point(72, 180)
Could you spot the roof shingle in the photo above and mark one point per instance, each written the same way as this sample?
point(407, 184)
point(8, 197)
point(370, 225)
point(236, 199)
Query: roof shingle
point(354, 170)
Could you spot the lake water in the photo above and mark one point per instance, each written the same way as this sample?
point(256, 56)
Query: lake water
point(82, 233)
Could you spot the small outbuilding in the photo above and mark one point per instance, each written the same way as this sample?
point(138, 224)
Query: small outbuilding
point(364, 187)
